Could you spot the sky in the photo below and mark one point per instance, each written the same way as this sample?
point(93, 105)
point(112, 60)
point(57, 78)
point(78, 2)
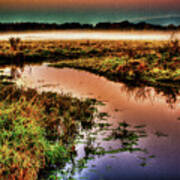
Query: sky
point(34, 4)
point(90, 11)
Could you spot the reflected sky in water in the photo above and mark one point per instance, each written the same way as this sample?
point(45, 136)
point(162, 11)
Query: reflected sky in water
point(136, 106)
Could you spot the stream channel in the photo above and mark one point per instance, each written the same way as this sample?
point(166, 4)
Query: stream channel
point(142, 110)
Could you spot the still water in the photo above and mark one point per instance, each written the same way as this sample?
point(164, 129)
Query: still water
point(135, 106)
point(92, 35)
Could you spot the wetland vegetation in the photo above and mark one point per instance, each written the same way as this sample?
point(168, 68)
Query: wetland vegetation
point(148, 63)
point(152, 63)
point(39, 131)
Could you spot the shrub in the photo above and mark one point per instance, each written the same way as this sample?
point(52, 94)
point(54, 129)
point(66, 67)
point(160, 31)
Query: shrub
point(14, 42)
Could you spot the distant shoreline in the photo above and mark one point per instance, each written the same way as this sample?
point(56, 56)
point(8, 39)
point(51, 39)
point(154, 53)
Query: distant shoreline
point(120, 26)
point(90, 30)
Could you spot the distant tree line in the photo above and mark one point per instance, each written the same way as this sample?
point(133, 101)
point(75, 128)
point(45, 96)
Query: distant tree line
point(125, 25)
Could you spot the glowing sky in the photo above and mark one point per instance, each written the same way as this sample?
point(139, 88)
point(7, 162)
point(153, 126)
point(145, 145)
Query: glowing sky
point(16, 4)
point(90, 11)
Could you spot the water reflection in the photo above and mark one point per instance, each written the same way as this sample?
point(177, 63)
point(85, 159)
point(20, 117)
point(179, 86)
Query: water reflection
point(139, 93)
point(104, 140)
point(143, 93)
point(138, 138)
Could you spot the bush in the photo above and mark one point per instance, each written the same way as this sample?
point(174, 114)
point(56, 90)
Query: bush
point(14, 42)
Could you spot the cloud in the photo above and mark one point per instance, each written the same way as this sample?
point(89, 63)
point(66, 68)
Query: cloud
point(145, 18)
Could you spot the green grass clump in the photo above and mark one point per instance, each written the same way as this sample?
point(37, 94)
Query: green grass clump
point(24, 148)
point(38, 130)
point(22, 141)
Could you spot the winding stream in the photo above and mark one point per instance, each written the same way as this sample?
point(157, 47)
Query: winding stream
point(136, 107)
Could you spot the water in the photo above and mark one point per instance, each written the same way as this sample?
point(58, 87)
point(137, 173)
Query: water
point(136, 107)
point(91, 35)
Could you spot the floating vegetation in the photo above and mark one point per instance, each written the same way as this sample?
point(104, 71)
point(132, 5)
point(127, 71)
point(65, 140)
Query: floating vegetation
point(160, 134)
point(126, 136)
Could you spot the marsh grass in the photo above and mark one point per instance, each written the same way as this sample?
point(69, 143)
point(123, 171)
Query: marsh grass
point(137, 63)
point(38, 130)
point(16, 51)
